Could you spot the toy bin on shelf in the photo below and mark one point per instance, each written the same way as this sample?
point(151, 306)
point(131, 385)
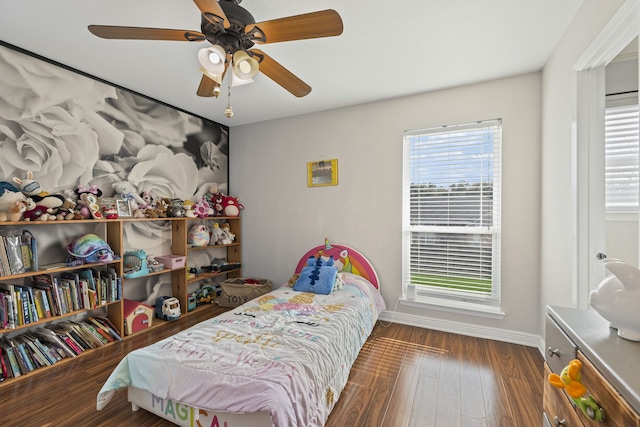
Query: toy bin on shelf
point(172, 261)
point(137, 316)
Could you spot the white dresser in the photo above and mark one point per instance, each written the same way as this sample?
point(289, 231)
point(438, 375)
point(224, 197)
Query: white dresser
point(610, 369)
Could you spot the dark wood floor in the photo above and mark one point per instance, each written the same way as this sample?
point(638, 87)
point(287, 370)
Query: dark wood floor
point(404, 376)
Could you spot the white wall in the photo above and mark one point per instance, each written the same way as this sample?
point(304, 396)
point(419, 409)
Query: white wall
point(283, 217)
point(558, 272)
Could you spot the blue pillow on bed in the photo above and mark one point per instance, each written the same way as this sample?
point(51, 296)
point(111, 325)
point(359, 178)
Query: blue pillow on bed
point(319, 261)
point(319, 280)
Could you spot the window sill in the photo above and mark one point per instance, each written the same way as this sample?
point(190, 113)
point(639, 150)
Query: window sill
point(452, 306)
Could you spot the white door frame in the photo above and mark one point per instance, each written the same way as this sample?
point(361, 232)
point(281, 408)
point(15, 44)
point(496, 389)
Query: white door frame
point(588, 140)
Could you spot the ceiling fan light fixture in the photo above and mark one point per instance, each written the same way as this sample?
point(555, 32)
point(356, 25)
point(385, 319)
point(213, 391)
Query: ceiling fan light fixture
point(212, 59)
point(215, 77)
point(244, 66)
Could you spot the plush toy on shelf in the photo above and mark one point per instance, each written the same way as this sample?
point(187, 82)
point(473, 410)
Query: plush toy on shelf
point(15, 213)
point(9, 194)
point(35, 212)
point(126, 191)
point(216, 235)
point(31, 188)
point(231, 206)
point(227, 236)
point(199, 235)
point(87, 202)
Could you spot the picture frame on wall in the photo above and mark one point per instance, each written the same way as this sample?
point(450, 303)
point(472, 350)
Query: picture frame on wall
point(322, 173)
point(124, 208)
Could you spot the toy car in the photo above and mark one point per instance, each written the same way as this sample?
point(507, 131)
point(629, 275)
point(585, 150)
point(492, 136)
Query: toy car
point(167, 308)
point(206, 294)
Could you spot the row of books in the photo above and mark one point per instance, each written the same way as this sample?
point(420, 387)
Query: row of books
point(51, 296)
point(18, 253)
point(45, 346)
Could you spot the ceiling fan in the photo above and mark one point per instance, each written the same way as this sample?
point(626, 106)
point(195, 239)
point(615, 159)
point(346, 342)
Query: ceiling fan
point(233, 31)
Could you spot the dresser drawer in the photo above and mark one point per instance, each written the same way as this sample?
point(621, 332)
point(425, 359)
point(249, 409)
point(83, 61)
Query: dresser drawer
point(560, 350)
point(557, 405)
point(616, 410)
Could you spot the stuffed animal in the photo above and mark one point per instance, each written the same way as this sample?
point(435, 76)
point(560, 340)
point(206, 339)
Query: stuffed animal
point(227, 236)
point(188, 209)
point(15, 213)
point(8, 196)
point(292, 280)
point(126, 191)
point(198, 235)
point(570, 379)
point(66, 211)
point(177, 208)
point(202, 209)
point(87, 202)
point(31, 188)
point(35, 212)
point(216, 235)
point(148, 199)
point(231, 206)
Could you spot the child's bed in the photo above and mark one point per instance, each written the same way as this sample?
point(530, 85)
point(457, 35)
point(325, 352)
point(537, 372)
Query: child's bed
point(279, 360)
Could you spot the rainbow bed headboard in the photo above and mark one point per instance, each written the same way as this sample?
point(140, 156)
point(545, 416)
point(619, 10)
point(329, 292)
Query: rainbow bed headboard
point(346, 259)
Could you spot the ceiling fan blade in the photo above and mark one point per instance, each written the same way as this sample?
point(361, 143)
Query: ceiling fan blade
point(212, 11)
point(139, 33)
point(276, 72)
point(325, 23)
point(206, 86)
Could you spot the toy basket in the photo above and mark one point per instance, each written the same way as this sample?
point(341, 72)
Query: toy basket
point(172, 261)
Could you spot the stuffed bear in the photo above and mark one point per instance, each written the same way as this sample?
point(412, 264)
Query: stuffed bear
point(126, 191)
point(35, 212)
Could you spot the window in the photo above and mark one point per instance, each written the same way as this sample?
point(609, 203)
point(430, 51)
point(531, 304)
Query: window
point(621, 158)
point(451, 212)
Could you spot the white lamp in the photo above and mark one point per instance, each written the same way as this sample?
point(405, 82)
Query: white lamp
point(212, 59)
point(244, 66)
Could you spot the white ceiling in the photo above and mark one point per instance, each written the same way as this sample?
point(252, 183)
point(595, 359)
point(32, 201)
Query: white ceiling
point(388, 48)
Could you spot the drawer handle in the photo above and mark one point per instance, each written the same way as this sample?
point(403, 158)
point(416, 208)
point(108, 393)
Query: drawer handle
point(551, 352)
point(570, 380)
point(559, 422)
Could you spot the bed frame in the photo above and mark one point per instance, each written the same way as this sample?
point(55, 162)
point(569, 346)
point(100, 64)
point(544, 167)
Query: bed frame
point(346, 259)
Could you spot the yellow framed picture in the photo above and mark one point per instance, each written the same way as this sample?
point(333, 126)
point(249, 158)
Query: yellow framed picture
point(322, 173)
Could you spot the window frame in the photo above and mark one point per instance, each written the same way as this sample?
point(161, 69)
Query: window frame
point(438, 297)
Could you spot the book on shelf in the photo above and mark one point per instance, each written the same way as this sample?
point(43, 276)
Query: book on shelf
point(23, 367)
point(29, 251)
point(107, 326)
point(4, 259)
point(5, 365)
point(53, 339)
point(11, 300)
point(11, 356)
point(50, 354)
point(31, 353)
point(66, 337)
point(13, 247)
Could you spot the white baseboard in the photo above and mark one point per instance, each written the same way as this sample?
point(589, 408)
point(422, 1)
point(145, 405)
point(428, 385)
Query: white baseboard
point(513, 337)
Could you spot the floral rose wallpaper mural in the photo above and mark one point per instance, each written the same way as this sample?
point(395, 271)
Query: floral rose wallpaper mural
point(69, 130)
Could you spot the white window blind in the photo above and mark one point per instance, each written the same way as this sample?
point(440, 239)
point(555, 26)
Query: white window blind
point(451, 211)
point(621, 158)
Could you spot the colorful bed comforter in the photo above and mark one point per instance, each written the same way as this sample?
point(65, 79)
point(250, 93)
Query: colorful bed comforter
point(287, 353)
